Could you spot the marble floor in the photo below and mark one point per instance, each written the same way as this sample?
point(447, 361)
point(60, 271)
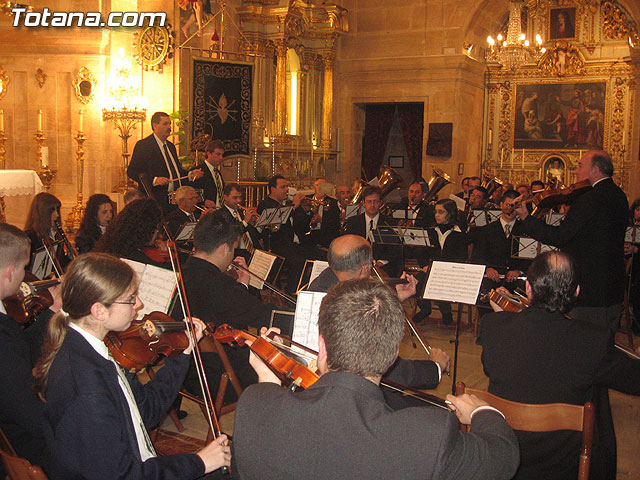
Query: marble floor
point(626, 408)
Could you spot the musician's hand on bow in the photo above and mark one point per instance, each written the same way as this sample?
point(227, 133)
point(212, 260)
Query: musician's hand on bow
point(199, 331)
point(210, 204)
point(493, 274)
point(521, 208)
point(441, 358)
point(161, 181)
point(512, 275)
point(196, 174)
point(216, 455)
point(464, 405)
point(406, 290)
point(243, 275)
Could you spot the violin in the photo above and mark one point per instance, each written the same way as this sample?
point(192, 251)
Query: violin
point(32, 298)
point(147, 340)
point(157, 253)
point(559, 196)
point(292, 373)
point(508, 302)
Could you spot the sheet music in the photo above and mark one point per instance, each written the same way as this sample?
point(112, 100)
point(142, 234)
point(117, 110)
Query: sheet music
point(156, 287)
point(454, 282)
point(554, 218)
point(529, 248)
point(186, 232)
point(400, 213)
point(416, 237)
point(41, 265)
point(265, 217)
point(632, 235)
point(260, 265)
point(485, 217)
point(305, 323)
point(353, 210)
point(318, 267)
point(460, 203)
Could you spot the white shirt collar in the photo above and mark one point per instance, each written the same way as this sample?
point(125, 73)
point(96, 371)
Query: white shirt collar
point(97, 344)
point(375, 219)
point(2, 309)
point(598, 181)
point(160, 142)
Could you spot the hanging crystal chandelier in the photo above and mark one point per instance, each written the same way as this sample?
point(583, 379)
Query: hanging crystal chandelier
point(515, 50)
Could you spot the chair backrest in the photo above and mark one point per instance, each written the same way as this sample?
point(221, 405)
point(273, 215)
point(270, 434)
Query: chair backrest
point(18, 468)
point(544, 418)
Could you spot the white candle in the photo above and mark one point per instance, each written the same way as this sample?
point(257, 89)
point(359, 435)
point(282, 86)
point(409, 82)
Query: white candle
point(1, 120)
point(80, 124)
point(40, 120)
point(501, 157)
point(523, 158)
point(45, 156)
point(490, 136)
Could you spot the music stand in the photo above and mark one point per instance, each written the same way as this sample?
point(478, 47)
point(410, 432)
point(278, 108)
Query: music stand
point(185, 232)
point(414, 237)
point(311, 270)
point(283, 320)
point(527, 247)
point(490, 216)
point(386, 235)
point(353, 210)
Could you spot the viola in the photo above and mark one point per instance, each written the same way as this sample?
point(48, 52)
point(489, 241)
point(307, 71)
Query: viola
point(559, 196)
point(147, 340)
point(32, 298)
point(508, 302)
point(292, 373)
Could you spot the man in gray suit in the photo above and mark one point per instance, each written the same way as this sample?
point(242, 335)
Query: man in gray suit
point(341, 427)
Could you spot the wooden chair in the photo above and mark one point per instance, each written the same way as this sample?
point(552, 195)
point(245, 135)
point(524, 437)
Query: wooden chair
point(545, 418)
point(18, 468)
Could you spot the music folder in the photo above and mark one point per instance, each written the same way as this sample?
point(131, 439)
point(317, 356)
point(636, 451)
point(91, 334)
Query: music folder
point(274, 216)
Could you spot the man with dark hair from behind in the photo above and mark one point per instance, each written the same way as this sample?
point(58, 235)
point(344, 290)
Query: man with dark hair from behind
point(542, 355)
point(593, 234)
point(341, 427)
point(216, 297)
point(20, 408)
point(350, 258)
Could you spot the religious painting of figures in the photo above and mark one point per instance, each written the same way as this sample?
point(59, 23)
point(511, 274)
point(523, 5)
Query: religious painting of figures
point(560, 116)
point(562, 23)
point(221, 103)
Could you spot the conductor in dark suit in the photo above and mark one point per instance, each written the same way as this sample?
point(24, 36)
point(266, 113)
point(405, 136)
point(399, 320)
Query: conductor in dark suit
point(493, 244)
point(211, 182)
point(542, 355)
point(366, 223)
point(593, 234)
point(341, 427)
point(157, 158)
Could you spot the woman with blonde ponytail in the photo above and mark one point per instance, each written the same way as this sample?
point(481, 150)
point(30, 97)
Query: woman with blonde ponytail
point(96, 415)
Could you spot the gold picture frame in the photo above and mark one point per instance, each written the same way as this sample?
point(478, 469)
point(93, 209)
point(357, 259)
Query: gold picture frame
point(84, 86)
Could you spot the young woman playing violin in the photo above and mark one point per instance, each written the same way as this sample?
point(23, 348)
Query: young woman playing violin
point(97, 216)
point(133, 232)
point(40, 227)
point(96, 416)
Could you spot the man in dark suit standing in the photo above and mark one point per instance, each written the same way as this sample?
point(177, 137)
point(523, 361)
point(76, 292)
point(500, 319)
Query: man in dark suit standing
point(366, 223)
point(211, 181)
point(493, 245)
point(593, 234)
point(347, 428)
point(542, 355)
point(157, 158)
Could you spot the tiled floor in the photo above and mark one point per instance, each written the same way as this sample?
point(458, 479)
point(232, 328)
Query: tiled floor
point(626, 409)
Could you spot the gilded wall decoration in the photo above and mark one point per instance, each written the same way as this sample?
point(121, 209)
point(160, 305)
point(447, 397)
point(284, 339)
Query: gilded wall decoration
point(4, 83)
point(561, 60)
point(41, 77)
point(560, 116)
point(153, 45)
point(84, 85)
point(615, 23)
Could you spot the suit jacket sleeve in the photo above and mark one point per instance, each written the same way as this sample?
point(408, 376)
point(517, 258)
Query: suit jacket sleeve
point(414, 373)
point(579, 216)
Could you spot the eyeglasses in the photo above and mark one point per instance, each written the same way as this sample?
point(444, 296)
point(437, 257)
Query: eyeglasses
point(132, 300)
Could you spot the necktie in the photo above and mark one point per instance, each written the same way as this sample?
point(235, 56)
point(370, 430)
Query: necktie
point(146, 447)
point(171, 167)
point(370, 236)
point(507, 230)
point(217, 178)
point(246, 238)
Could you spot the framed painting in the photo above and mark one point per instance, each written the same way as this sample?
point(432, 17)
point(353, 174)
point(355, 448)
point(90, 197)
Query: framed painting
point(562, 23)
point(560, 116)
point(396, 161)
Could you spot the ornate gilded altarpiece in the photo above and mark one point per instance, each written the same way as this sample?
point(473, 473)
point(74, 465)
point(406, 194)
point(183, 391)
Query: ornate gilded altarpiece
point(580, 95)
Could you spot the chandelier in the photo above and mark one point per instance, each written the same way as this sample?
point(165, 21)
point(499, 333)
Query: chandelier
point(515, 50)
point(125, 107)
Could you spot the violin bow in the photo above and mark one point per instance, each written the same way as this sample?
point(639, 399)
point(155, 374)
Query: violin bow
point(212, 417)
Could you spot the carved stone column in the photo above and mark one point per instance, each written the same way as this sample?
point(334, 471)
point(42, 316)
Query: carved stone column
point(281, 86)
point(327, 98)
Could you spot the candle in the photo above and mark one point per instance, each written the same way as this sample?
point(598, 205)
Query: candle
point(80, 125)
point(513, 152)
point(490, 136)
point(579, 154)
point(1, 120)
point(45, 157)
point(523, 158)
point(40, 120)
point(501, 157)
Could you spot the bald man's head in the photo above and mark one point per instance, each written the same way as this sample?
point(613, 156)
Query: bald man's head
point(348, 254)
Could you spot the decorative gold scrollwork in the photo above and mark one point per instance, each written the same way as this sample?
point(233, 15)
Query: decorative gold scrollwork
point(4, 83)
point(84, 85)
point(560, 60)
point(153, 45)
point(615, 24)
